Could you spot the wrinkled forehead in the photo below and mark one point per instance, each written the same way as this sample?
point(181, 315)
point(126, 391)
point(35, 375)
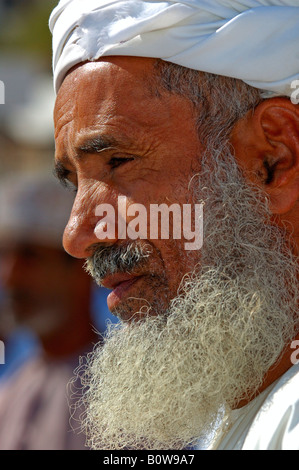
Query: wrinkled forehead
point(118, 88)
point(125, 76)
point(121, 81)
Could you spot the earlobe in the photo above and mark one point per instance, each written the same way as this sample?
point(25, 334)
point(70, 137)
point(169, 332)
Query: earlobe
point(271, 135)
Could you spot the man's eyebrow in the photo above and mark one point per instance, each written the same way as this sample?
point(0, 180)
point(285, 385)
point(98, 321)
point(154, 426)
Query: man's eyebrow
point(97, 144)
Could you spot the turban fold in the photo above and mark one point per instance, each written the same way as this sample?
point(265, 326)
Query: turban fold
point(256, 41)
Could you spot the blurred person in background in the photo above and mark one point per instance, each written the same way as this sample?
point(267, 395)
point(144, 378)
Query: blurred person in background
point(19, 342)
point(49, 293)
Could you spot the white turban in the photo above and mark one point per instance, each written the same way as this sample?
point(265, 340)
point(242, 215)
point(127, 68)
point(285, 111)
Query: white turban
point(256, 41)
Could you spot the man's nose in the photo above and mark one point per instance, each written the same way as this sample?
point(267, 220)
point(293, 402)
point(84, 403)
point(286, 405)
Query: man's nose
point(87, 224)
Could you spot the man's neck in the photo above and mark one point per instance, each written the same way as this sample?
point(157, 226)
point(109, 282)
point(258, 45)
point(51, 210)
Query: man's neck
point(283, 364)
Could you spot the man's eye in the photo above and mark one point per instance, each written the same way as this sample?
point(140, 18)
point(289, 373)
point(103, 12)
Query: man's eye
point(63, 175)
point(115, 162)
point(66, 183)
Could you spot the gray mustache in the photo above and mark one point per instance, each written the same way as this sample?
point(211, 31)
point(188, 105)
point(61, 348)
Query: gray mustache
point(116, 259)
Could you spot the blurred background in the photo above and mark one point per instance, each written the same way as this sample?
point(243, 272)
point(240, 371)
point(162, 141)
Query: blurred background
point(26, 151)
point(26, 129)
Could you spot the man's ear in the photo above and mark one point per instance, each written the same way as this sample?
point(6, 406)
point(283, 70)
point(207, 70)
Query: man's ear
point(266, 143)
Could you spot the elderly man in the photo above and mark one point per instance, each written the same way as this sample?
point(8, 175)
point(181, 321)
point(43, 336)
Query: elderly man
point(185, 103)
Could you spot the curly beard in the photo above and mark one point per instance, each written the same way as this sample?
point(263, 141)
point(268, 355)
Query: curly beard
point(165, 381)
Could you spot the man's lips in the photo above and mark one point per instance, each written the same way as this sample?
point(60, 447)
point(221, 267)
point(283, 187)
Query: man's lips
point(113, 280)
point(120, 283)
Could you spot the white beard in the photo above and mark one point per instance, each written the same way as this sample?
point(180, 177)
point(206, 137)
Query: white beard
point(161, 383)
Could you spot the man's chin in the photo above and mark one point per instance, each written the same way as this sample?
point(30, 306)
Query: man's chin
point(135, 310)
